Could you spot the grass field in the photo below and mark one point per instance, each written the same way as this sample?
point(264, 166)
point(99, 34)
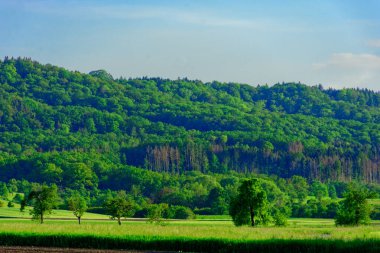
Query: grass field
point(298, 229)
point(205, 235)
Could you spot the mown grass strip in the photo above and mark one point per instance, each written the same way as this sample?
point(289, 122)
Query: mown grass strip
point(187, 244)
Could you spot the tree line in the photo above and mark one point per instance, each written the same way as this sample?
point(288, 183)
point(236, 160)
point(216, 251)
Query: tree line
point(253, 203)
point(183, 196)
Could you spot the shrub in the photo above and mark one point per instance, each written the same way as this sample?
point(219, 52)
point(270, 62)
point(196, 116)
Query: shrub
point(354, 209)
point(280, 219)
point(158, 212)
point(182, 212)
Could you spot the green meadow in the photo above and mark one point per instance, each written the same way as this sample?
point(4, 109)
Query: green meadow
point(205, 234)
point(14, 212)
point(197, 229)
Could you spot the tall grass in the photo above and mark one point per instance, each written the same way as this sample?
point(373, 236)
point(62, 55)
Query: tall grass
point(307, 235)
point(188, 244)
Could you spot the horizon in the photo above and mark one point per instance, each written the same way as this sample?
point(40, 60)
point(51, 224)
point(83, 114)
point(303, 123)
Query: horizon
point(194, 80)
point(329, 42)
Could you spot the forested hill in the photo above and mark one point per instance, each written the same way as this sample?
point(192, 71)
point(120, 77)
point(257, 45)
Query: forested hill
point(51, 117)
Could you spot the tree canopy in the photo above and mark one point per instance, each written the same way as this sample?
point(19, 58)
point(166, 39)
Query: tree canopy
point(181, 125)
point(250, 205)
point(43, 199)
point(119, 206)
point(354, 209)
point(77, 204)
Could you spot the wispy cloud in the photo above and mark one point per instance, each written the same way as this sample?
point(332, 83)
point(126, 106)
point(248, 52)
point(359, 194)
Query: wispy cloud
point(351, 61)
point(140, 12)
point(374, 43)
point(171, 14)
point(350, 70)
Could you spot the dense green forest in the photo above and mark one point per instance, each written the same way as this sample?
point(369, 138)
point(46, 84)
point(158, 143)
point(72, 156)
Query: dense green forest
point(153, 137)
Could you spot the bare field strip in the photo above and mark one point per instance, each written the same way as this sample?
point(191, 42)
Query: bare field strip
point(66, 250)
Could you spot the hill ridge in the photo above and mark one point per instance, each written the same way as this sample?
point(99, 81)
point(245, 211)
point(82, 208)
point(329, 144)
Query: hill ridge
point(182, 125)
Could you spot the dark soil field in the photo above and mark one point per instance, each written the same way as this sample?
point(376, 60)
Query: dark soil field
point(65, 250)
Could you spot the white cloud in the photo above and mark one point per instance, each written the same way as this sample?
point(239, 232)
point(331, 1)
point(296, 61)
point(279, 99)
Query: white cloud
point(191, 17)
point(374, 43)
point(350, 70)
point(351, 61)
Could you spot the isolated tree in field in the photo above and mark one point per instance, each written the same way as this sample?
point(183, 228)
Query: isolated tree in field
point(157, 212)
point(354, 209)
point(43, 199)
point(78, 205)
point(119, 206)
point(250, 204)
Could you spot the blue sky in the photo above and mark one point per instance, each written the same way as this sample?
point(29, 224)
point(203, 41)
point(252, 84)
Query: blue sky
point(335, 43)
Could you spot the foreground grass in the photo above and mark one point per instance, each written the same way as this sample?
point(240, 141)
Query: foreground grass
point(303, 235)
point(302, 229)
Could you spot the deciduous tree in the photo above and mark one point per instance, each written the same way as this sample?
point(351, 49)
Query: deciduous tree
point(354, 209)
point(119, 206)
point(43, 199)
point(249, 206)
point(78, 205)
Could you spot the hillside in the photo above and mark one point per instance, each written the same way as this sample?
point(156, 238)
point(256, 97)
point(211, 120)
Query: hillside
point(54, 121)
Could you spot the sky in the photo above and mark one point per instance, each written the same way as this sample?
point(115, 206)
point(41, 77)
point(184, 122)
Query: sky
point(333, 43)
